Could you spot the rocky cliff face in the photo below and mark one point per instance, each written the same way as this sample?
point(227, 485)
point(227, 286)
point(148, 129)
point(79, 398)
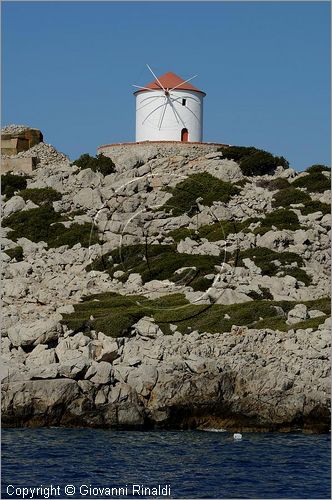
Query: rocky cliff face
point(173, 292)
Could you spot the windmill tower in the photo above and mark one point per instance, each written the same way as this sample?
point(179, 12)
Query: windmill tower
point(169, 109)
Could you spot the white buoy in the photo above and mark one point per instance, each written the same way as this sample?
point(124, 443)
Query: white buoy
point(237, 435)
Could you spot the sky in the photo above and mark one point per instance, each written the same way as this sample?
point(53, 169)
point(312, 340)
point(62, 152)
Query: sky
point(68, 69)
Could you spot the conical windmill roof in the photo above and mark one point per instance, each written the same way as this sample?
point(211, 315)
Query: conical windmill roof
point(168, 81)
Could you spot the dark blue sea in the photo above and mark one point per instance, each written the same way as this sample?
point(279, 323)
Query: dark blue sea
point(88, 463)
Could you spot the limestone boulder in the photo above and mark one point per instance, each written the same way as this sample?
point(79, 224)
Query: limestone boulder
point(99, 373)
point(14, 204)
point(88, 198)
point(36, 332)
point(41, 355)
point(147, 328)
point(37, 400)
point(297, 314)
point(87, 178)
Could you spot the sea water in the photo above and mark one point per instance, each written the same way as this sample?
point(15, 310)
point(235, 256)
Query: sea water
point(90, 463)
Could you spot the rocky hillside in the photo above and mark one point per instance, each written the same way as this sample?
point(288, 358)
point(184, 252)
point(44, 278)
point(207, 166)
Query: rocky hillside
point(166, 287)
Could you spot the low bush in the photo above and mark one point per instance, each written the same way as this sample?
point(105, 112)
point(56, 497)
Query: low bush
point(11, 183)
point(100, 163)
point(115, 314)
point(315, 182)
point(213, 232)
point(254, 161)
point(236, 153)
point(220, 230)
point(259, 163)
point(42, 196)
point(264, 258)
point(34, 224)
point(290, 196)
point(42, 224)
point(316, 206)
point(318, 168)
point(201, 185)
point(281, 219)
point(274, 185)
point(76, 233)
point(15, 253)
point(158, 262)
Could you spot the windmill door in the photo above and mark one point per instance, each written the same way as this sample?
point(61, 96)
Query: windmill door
point(184, 135)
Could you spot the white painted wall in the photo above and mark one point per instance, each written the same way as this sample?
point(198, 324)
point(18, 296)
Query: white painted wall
point(155, 122)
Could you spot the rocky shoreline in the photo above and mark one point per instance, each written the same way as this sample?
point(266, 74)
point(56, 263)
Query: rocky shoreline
point(249, 380)
point(80, 348)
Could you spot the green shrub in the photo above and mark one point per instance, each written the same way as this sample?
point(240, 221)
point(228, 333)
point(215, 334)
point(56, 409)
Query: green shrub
point(42, 196)
point(241, 183)
point(254, 161)
point(201, 185)
point(157, 262)
point(318, 168)
point(115, 314)
point(15, 253)
point(11, 183)
point(42, 224)
point(220, 230)
point(212, 232)
point(34, 224)
point(182, 233)
point(236, 153)
point(76, 233)
point(274, 185)
point(315, 182)
point(290, 196)
point(264, 259)
point(100, 163)
point(281, 219)
point(259, 163)
point(264, 294)
point(316, 206)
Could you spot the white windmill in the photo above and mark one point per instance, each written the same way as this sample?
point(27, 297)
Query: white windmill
point(169, 109)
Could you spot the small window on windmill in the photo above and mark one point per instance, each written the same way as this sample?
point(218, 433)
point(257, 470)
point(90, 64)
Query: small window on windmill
point(184, 102)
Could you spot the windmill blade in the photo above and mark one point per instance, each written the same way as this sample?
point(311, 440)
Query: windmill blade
point(156, 78)
point(163, 113)
point(176, 113)
point(146, 88)
point(191, 111)
point(151, 113)
point(183, 82)
point(150, 102)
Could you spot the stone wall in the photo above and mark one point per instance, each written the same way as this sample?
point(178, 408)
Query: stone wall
point(15, 142)
point(26, 165)
point(150, 149)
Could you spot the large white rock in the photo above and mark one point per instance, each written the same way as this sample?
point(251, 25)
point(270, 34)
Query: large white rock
point(88, 198)
point(299, 313)
point(147, 328)
point(36, 332)
point(226, 170)
point(99, 373)
point(109, 349)
point(88, 178)
point(14, 204)
point(40, 356)
point(227, 296)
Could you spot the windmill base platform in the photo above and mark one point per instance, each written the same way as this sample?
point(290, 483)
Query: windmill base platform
point(155, 149)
